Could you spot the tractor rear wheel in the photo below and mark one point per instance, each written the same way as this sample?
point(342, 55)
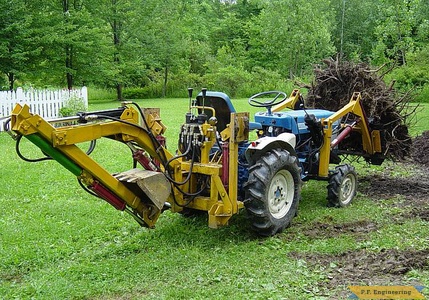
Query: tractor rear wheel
point(273, 192)
point(342, 186)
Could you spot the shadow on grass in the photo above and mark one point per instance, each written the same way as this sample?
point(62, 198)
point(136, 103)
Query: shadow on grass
point(175, 231)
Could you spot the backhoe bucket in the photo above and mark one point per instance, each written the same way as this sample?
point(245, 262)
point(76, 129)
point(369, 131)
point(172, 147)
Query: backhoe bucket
point(149, 185)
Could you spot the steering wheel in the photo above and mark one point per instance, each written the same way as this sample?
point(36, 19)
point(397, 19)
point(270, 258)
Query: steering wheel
point(279, 98)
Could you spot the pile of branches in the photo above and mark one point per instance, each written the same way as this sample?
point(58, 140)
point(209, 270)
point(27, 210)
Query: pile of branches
point(387, 110)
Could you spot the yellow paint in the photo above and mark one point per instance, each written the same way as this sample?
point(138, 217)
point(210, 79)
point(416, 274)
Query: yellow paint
point(386, 292)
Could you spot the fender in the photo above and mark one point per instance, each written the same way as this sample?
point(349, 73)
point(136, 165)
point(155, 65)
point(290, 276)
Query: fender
point(260, 146)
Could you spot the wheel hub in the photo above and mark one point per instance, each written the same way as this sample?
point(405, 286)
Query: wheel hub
point(280, 194)
point(347, 189)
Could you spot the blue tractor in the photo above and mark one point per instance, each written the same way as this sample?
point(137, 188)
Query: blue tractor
point(294, 144)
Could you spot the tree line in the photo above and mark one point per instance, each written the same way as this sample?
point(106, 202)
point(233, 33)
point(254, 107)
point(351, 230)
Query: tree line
point(153, 48)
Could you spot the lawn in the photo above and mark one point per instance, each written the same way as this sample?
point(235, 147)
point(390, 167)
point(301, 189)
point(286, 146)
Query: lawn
point(58, 242)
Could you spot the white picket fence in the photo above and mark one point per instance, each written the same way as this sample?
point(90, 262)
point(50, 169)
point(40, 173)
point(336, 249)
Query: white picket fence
point(46, 103)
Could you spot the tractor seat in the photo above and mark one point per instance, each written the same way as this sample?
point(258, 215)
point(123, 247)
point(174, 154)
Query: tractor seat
point(223, 106)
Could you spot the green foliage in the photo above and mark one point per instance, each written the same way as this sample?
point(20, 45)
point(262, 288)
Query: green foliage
point(423, 95)
point(415, 74)
point(72, 106)
point(266, 80)
point(149, 47)
point(229, 79)
point(99, 94)
point(408, 77)
point(396, 29)
point(179, 83)
point(142, 93)
point(290, 42)
point(234, 81)
point(353, 34)
point(17, 47)
point(3, 83)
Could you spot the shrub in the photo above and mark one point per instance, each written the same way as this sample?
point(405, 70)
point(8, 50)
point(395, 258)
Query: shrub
point(177, 86)
point(72, 106)
point(413, 75)
point(265, 80)
point(422, 95)
point(228, 79)
point(135, 93)
point(97, 94)
point(408, 77)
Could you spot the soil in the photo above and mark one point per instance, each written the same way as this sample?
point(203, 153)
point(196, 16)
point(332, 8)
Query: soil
point(326, 229)
point(420, 149)
point(387, 266)
point(415, 189)
point(366, 267)
point(363, 267)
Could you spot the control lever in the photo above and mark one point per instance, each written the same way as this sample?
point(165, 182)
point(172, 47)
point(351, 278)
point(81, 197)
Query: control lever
point(314, 126)
point(202, 117)
point(189, 115)
point(190, 90)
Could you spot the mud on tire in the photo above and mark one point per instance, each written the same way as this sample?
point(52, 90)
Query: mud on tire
point(273, 192)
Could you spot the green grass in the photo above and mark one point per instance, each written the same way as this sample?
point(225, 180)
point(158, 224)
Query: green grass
point(420, 122)
point(57, 242)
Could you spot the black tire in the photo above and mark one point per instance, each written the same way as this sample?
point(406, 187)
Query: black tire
point(273, 191)
point(342, 186)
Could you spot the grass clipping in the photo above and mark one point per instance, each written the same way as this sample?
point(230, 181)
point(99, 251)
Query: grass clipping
point(385, 108)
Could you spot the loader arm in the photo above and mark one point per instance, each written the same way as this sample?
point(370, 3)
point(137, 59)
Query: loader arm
point(61, 145)
point(292, 102)
point(371, 142)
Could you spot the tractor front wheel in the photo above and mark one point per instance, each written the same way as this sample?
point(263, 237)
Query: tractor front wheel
point(273, 192)
point(342, 186)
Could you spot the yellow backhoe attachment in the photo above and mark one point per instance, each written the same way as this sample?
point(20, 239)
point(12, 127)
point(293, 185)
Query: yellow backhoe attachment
point(166, 181)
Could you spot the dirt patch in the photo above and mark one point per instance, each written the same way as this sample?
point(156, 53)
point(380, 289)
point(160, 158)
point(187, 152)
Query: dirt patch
point(367, 268)
point(388, 266)
point(412, 193)
point(414, 188)
point(12, 277)
point(420, 149)
point(416, 212)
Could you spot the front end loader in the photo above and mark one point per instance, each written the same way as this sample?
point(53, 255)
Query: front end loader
point(323, 138)
point(216, 168)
